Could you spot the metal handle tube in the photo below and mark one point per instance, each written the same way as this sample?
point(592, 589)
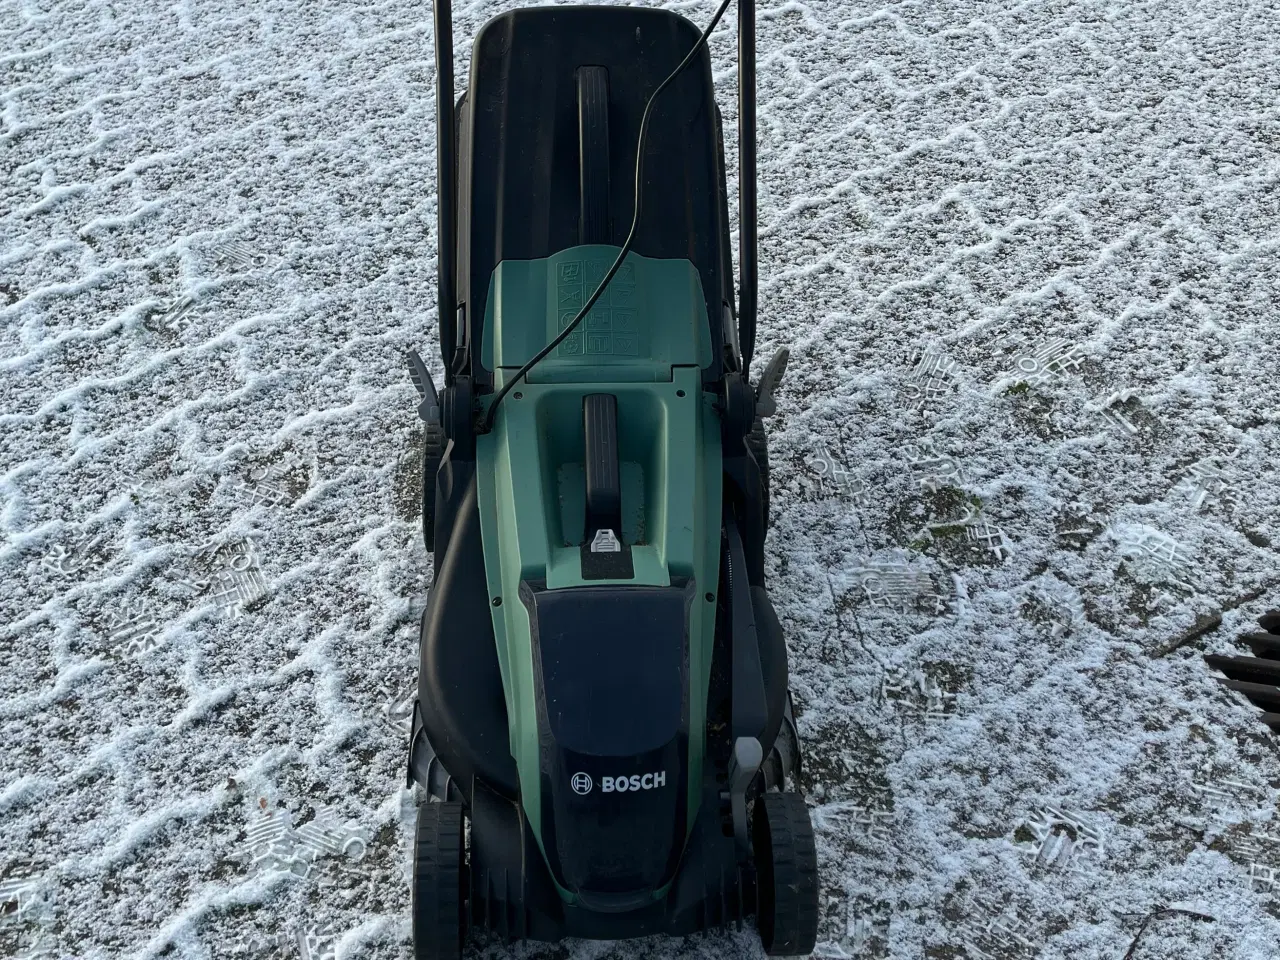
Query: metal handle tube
point(446, 186)
point(748, 275)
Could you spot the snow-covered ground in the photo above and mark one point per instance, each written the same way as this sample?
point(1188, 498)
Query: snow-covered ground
point(1027, 259)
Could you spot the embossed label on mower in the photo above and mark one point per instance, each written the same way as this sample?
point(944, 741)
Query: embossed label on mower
point(648, 781)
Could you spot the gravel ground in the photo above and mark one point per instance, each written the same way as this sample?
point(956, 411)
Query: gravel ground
point(1025, 258)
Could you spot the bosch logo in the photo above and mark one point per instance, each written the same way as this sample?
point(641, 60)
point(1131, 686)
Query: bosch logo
point(649, 781)
point(583, 784)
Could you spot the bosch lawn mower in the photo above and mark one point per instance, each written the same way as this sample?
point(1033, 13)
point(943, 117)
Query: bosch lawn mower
point(603, 726)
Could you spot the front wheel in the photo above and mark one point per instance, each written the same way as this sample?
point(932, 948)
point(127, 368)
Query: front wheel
point(787, 875)
point(439, 882)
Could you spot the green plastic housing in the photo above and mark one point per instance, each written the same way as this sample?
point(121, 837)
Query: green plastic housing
point(646, 345)
point(651, 318)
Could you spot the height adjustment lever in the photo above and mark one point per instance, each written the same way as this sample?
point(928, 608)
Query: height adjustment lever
point(770, 379)
point(429, 408)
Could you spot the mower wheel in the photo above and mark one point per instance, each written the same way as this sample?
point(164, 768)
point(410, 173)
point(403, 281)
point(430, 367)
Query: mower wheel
point(758, 444)
point(786, 875)
point(433, 444)
point(439, 882)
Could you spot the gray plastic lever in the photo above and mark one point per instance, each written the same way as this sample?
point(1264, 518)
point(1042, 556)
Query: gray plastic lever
point(766, 405)
point(429, 408)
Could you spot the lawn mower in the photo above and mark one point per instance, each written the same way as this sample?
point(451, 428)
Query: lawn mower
point(603, 728)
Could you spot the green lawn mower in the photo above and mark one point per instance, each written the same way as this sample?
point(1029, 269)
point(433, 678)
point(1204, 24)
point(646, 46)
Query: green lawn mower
point(603, 726)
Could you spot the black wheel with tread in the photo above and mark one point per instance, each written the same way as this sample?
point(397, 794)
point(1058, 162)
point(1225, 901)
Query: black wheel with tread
point(439, 882)
point(758, 444)
point(433, 444)
point(787, 875)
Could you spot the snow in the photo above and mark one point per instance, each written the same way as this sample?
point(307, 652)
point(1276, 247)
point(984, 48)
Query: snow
point(1025, 256)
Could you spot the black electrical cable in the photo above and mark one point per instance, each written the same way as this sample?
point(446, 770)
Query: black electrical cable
point(492, 412)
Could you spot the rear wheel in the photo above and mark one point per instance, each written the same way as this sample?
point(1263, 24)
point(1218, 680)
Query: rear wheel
point(787, 875)
point(439, 882)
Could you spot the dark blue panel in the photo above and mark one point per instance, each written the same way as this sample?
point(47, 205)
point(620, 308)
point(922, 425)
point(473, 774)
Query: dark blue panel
point(613, 666)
